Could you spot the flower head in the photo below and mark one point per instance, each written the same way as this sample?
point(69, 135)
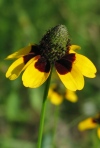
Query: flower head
point(90, 123)
point(57, 94)
point(55, 50)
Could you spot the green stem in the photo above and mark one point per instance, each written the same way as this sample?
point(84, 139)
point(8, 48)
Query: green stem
point(43, 111)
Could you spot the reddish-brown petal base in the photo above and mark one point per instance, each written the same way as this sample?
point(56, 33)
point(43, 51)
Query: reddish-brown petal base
point(42, 65)
point(64, 65)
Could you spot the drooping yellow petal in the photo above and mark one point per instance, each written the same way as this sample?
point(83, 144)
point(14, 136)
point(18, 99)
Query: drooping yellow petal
point(85, 66)
point(71, 96)
point(15, 69)
point(32, 77)
point(72, 80)
point(20, 53)
point(74, 47)
point(98, 132)
point(54, 97)
point(86, 124)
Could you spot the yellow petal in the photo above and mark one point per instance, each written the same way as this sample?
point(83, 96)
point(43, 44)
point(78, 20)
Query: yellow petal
point(86, 124)
point(98, 132)
point(71, 96)
point(73, 80)
point(54, 97)
point(74, 47)
point(20, 53)
point(85, 66)
point(32, 77)
point(15, 69)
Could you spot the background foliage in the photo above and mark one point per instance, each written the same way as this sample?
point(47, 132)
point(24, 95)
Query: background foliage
point(23, 22)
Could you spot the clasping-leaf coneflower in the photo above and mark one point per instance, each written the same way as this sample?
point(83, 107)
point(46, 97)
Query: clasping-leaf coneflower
point(55, 50)
point(90, 123)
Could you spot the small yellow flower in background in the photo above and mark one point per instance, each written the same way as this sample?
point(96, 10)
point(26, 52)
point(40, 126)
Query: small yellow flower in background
point(55, 97)
point(54, 49)
point(57, 94)
point(71, 96)
point(90, 123)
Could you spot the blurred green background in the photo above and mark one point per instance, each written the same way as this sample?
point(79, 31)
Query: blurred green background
point(26, 21)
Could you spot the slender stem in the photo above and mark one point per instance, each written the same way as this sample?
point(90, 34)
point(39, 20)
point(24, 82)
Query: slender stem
point(43, 111)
